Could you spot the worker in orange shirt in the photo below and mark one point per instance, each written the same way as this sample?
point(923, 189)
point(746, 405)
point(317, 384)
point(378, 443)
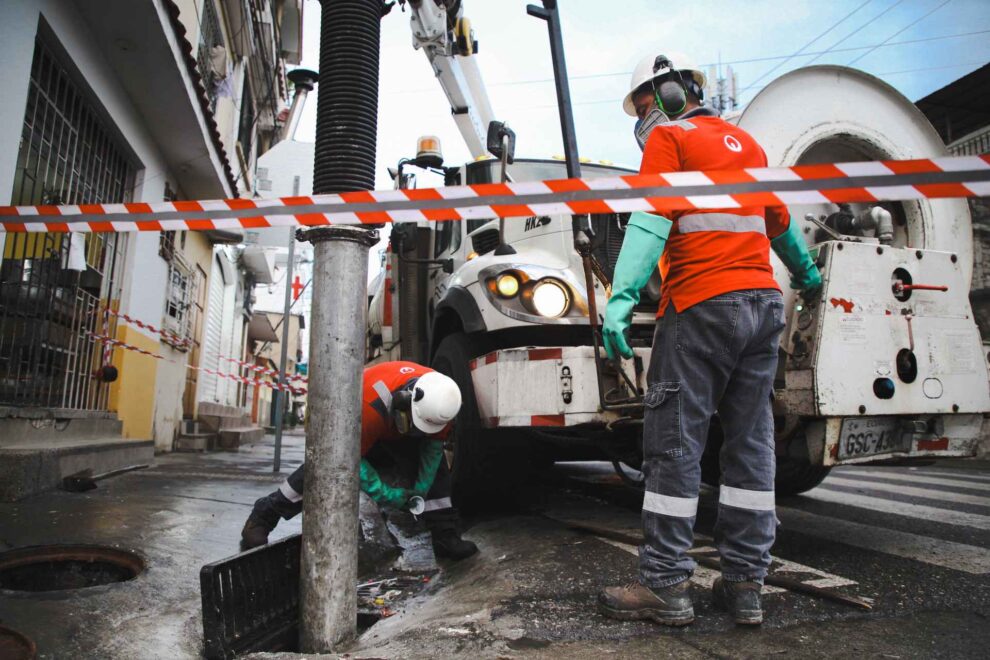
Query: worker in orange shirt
point(714, 350)
point(407, 410)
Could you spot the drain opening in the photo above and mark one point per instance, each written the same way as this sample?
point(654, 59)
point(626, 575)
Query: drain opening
point(898, 280)
point(907, 365)
point(62, 567)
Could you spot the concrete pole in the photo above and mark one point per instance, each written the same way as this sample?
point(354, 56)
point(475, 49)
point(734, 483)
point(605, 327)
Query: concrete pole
point(344, 160)
point(333, 449)
point(281, 394)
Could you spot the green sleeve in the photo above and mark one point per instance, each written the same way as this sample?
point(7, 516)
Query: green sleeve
point(430, 455)
point(378, 490)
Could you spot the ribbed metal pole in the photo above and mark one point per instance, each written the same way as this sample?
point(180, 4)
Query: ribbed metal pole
point(346, 125)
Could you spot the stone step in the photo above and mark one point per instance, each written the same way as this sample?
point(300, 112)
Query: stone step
point(26, 471)
point(233, 438)
point(199, 441)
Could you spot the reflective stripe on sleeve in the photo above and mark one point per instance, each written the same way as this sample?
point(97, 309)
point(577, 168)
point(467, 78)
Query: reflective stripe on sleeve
point(289, 492)
point(688, 224)
point(666, 505)
point(437, 504)
point(383, 393)
point(755, 500)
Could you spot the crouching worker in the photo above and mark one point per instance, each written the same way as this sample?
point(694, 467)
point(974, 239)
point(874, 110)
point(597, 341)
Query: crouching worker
point(407, 410)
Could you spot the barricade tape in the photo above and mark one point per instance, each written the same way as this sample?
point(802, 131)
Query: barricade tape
point(266, 371)
point(172, 338)
point(298, 391)
point(175, 340)
point(872, 181)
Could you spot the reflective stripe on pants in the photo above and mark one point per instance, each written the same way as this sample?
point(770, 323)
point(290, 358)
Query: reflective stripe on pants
point(717, 356)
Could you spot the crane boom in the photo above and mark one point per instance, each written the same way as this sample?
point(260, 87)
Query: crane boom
point(440, 29)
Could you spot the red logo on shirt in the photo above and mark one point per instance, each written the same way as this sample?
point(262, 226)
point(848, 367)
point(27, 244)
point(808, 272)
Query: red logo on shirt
point(732, 143)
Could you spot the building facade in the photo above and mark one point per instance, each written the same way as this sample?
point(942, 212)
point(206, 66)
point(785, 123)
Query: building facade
point(129, 101)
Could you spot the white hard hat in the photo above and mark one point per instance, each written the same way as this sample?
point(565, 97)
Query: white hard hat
point(645, 71)
point(436, 402)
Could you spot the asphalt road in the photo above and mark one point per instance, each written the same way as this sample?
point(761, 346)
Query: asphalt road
point(915, 542)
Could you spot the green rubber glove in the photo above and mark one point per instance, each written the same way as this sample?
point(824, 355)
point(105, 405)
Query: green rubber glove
point(646, 235)
point(430, 455)
point(793, 251)
point(378, 490)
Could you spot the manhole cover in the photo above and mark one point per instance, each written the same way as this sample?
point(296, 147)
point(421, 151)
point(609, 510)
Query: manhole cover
point(59, 567)
point(15, 646)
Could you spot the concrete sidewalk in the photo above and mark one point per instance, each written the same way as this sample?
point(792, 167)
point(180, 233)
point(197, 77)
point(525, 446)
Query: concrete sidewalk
point(185, 511)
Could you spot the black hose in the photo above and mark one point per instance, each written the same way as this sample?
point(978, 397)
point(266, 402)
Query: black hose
point(347, 100)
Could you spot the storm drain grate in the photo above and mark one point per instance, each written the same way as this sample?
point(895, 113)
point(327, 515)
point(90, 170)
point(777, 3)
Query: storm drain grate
point(251, 600)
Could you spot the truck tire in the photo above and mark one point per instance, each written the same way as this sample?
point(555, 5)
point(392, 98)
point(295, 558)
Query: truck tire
point(796, 476)
point(793, 476)
point(474, 472)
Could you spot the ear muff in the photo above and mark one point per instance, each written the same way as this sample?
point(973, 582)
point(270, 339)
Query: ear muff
point(671, 97)
point(402, 401)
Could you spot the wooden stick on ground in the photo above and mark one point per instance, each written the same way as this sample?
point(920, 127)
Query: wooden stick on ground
point(711, 562)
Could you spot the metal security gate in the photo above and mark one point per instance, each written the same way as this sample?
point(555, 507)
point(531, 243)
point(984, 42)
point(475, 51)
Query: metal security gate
point(54, 289)
point(214, 325)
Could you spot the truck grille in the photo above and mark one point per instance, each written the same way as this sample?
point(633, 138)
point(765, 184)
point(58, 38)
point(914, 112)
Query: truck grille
point(485, 241)
point(610, 230)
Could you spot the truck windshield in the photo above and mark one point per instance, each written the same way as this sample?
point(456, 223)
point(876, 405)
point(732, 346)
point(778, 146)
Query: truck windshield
point(489, 171)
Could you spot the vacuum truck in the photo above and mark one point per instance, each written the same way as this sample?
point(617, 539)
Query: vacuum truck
point(886, 362)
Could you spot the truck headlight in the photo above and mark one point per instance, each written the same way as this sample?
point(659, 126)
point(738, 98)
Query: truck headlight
point(507, 285)
point(550, 298)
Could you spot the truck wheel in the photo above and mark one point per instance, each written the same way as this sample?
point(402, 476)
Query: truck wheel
point(796, 476)
point(474, 473)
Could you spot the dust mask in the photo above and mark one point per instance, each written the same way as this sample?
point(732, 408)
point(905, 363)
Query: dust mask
point(645, 126)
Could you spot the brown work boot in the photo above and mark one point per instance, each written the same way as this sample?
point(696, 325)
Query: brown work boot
point(255, 532)
point(740, 599)
point(670, 606)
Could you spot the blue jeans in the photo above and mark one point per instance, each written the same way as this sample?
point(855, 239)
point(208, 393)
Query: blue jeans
point(717, 356)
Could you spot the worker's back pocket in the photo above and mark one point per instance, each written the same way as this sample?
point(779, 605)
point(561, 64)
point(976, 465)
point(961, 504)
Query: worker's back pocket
point(662, 421)
point(708, 328)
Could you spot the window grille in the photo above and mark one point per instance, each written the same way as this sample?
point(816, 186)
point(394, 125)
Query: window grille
point(211, 56)
point(48, 313)
point(180, 297)
point(245, 130)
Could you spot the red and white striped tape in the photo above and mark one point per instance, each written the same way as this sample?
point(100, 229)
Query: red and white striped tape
point(170, 337)
point(872, 181)
point(265, 371)
point(298, 391)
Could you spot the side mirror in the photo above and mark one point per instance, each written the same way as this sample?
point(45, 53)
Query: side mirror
point(499, 133)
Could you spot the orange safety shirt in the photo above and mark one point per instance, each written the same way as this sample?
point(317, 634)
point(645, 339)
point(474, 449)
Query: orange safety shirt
point(711, 251)
point(380, 382)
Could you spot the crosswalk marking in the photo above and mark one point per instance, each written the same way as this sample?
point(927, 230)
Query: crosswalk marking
point(909, 510)
point(961, 474)
point(910, 491)
point(948, 554)
point(911, 478)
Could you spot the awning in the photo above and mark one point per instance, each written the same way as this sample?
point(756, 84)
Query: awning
point(260, 329)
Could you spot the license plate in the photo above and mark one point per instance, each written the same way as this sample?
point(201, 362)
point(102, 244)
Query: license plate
point(866, 436)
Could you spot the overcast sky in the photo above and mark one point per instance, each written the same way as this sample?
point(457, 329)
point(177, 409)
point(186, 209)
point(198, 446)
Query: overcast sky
point(603, 43)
